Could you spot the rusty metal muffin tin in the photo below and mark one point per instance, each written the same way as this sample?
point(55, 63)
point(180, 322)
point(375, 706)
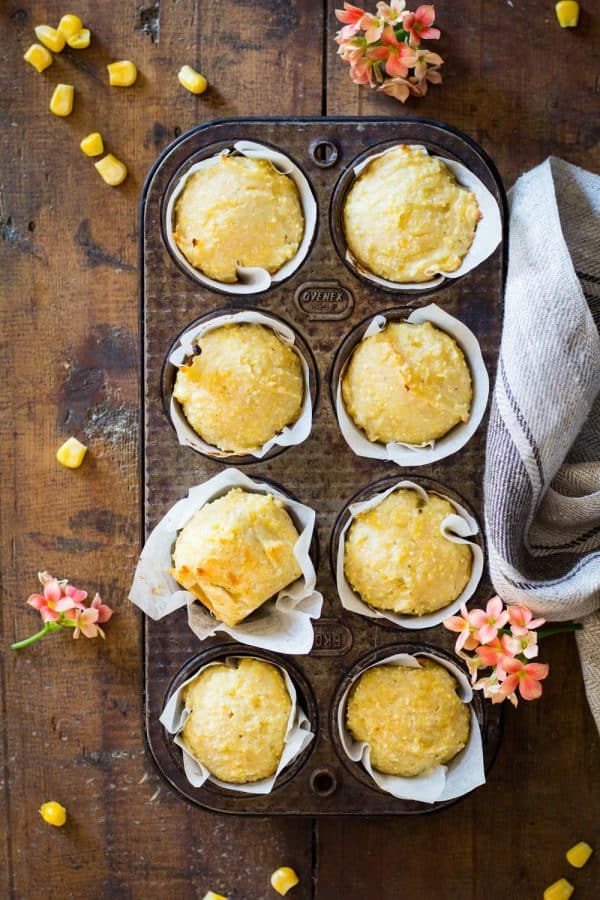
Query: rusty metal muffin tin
point(322, 301)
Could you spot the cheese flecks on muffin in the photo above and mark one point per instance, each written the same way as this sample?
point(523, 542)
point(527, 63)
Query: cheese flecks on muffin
point(397, 558)
point(235, 553)
point(407, 219)
point(242, 388)
point(238, 212)
point(238, 720)
point(412, 718)
point(408, 383)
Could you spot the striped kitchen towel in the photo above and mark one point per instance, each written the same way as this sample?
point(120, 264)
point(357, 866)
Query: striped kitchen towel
point(542, 479)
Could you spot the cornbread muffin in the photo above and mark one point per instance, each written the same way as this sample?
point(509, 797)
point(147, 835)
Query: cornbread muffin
point(238, 212)
point(409, 383)
point(238, 720)
point(407, 219)
point(242, 387)
point(236, 553)
point(413, 719)
point(396, 557)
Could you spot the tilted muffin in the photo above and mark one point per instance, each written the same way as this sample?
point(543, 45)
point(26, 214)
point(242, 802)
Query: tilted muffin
point(409, 383)
point(396, 557)
point(242, 388)
point(407, 219)
point(238, 212)
point(238, 721)
point(412, 718)
point(235, 553)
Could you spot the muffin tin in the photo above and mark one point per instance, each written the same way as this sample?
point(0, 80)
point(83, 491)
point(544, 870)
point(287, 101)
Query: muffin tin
point(323, 300)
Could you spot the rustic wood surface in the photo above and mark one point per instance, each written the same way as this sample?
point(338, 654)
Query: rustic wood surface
point(72, 726)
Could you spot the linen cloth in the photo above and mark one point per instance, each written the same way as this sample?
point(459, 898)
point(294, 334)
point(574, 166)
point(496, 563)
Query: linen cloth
point(542, 478)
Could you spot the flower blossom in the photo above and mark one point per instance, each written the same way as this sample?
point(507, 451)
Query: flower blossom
point(391, 13)
point(489, 621)
point(524, 676)
point(418, 25)
point(466, 629)
point(521, 619)
point(351, 17)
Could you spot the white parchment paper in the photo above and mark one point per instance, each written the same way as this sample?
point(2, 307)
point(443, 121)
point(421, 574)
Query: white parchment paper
point(288, 436)
point(488, 233)
point(282, 625)
point(252, 279)
point(461, 775)
point(457, 528)
point(423, 454)
point(297, 737)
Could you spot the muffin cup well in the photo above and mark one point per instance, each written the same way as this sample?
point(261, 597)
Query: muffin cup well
point(252, 279)
point(282, 624)
point(298, 735)
point(414, 454)
point(488, 233)
point(185, 348)
point(457, 528)
point(460, 776)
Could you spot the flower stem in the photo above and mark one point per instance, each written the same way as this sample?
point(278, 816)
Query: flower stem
point(559, 629)
point(48, 627)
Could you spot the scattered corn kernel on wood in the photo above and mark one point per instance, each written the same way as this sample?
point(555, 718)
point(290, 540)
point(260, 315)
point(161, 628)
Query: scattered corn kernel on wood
point(567, 13)
point(560, 890)
point(112, 170)
point(283, 880)
point(191, 80)
point(71, 453)
point(50, 37)
point(38, 56)
point(53, 813)
point(69, 25)
point(92, 144)
point(80, 40)
point(578, 855)
point(122, 73)
point(212, 896)
point(61, 103)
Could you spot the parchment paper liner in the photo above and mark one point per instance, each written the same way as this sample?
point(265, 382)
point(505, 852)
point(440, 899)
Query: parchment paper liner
point(298, 735)
point(488, 233)
point(423, 454)
point(252, 279)
point(461, 775)
point(288, 436)
point(282, 625)
point(457, 528)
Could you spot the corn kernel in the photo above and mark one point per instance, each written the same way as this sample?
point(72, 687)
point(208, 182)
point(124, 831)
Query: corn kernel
point(212, 896)
point(112, 170)
point(69, 25)
point(560, 890)
point(61, 103)
point(92, 145)
point(39, 57)
point(283, 880)
point(122, 73)
point(80, 40)
point(578, 855)
point(50, 38)
point(567, 13)
point(53, 813)
point(191, 80)
point(71, 453)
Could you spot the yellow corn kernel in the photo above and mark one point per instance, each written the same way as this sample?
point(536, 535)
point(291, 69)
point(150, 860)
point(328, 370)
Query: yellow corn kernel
point(61, 103)
point(283, 880)
point(69, 25)
point(191, 80)
point(567, 13)
point(39, 57)
point(212, 896)
point(92, 145)
point(560, 890)
point(80, 40)
point(578, 855)
point(50, 38)
point(112, 170)
point(71, 453)
point(53, 813)
point(122, 73)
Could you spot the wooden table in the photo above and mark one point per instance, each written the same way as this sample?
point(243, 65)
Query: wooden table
point(72, 713)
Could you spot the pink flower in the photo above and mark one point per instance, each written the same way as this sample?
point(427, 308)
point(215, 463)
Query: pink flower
point(521, 619)
point(399, 88)
point(351, 17)
point(495, 654)
point(524, 676)
point(58, 597)
point(85, 623)
point(418, 25)
point(361, 72)
point(104, 611)
point(372, 26)
point(525, 644)
point(393, 52)
point(489, 621)
point(465, 628)
point(420, 59)
point(491, 688)
point(433, 75)
point(392, 13)
point(473, 664)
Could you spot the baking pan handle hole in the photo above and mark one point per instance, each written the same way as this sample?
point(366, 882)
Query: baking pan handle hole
point(323, 153)
point(323, 782)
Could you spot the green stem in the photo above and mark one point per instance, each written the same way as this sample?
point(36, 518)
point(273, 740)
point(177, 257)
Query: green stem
point(559, 629)
point(48, 627)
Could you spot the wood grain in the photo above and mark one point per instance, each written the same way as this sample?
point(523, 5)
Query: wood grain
point(71, 714)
